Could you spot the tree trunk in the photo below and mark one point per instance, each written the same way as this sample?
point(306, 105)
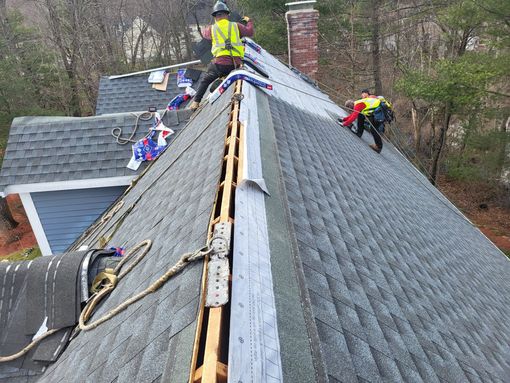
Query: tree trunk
point(6, 219)
point(505, 168)
point(440, 146)
point(67, 54)
point(353, 61)
point(416, 129)
point(376, 59)
point(106, 37)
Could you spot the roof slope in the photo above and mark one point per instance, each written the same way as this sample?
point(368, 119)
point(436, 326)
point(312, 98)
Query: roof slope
point(400, 286)
point(50, 149)
point(133, 94)
point(171, 204)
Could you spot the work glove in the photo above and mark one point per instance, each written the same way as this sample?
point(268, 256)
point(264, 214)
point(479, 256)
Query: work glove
point(246, 19)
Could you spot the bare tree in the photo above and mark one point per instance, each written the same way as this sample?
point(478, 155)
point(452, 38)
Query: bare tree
point(374, 7)
point(7, 221)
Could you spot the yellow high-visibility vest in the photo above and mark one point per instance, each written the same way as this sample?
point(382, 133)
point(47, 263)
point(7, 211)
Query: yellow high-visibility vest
point(371, 105)
point(388, 104)
point(222, 32)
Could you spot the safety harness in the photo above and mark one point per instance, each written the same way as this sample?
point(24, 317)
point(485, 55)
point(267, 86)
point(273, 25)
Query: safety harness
point(230, 45)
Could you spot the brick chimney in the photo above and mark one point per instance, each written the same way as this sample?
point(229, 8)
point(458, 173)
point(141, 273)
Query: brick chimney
point(303, 36)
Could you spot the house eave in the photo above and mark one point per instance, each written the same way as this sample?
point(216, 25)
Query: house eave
point(68, 185)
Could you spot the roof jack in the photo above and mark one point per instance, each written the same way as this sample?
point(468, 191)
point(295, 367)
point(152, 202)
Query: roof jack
point(255, 64)
point(252, 78)
point(218, 267)
point(257, 48)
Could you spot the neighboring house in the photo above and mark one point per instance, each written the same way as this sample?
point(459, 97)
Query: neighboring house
point(68, 170)
point(143, 38)
point(347, 265)
point(141, 41)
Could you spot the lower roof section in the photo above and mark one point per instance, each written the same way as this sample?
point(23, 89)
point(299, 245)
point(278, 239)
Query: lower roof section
point(48, 152)
point(396, 284)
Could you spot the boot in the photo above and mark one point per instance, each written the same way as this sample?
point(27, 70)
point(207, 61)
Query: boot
point(376, 148)
point(194, 105)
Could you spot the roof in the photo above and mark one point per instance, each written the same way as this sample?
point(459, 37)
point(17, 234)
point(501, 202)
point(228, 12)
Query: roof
point(56, 149)
point(133, 94)
point(397, 284)
point(358, 268)
point(152, 340)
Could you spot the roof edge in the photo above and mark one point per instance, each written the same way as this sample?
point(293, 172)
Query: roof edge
point(68, 185)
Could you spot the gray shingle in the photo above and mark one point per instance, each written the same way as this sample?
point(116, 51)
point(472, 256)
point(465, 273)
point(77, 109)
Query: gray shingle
point(137, 344)
point(415, 286)
point(89, 152)
point(133, 94)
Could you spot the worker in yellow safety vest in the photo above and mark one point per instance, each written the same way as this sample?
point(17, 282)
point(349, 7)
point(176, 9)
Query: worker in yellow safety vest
point(363, 110)
point(227, 47)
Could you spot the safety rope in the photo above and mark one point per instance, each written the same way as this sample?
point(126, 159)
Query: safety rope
point(399, 149)
point(117, 132)
point(103, 221)
point(105, 289)
point(337, 93)
point(30, 346)
point(183, 261)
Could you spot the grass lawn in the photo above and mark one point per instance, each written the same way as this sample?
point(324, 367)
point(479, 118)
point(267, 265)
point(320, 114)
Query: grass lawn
point(23, 255)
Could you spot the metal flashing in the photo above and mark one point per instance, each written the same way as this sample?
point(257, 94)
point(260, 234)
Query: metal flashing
point(194, 62)
point(252, 164)
point(254, 348)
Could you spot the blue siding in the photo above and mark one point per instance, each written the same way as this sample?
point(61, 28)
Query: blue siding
point(66, 214)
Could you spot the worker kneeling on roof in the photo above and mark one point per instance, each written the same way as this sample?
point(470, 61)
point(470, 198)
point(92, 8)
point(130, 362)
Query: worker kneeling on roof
point(363, 110)
point(227, 47)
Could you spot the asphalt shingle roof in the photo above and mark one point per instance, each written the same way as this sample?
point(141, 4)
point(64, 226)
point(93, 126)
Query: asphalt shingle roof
point(133, 94)
point(152, 340)
point(402, 287)
point(49, 149)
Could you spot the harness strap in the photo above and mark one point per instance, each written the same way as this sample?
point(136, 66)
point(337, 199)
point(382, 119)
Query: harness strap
point(227, 40)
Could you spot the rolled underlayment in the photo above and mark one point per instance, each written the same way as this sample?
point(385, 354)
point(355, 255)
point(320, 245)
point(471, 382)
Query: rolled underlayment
point(41, 295)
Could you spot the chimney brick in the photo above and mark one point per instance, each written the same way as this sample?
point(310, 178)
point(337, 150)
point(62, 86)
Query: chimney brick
point(303, 37)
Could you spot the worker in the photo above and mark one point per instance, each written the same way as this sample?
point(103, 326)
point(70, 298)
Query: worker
point(384, 113)
point(227, 47)
point(363, 111)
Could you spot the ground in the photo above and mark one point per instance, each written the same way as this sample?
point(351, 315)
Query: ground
point(486, 206)
point(20, 238)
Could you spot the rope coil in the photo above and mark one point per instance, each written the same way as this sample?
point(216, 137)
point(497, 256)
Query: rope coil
point(105, 289)
point(183, 261)
point(117, 132)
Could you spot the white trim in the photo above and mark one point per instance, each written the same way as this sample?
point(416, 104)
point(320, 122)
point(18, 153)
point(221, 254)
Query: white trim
point(69, 185)
point(288, 38)
point(301, 2)
point(35, 222)
point(155, 69)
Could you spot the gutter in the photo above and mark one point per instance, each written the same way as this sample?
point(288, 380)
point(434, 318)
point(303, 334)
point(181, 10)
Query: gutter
point(195, 62)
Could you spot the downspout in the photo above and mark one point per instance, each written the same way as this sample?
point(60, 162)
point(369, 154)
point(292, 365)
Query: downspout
point(288, 38)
